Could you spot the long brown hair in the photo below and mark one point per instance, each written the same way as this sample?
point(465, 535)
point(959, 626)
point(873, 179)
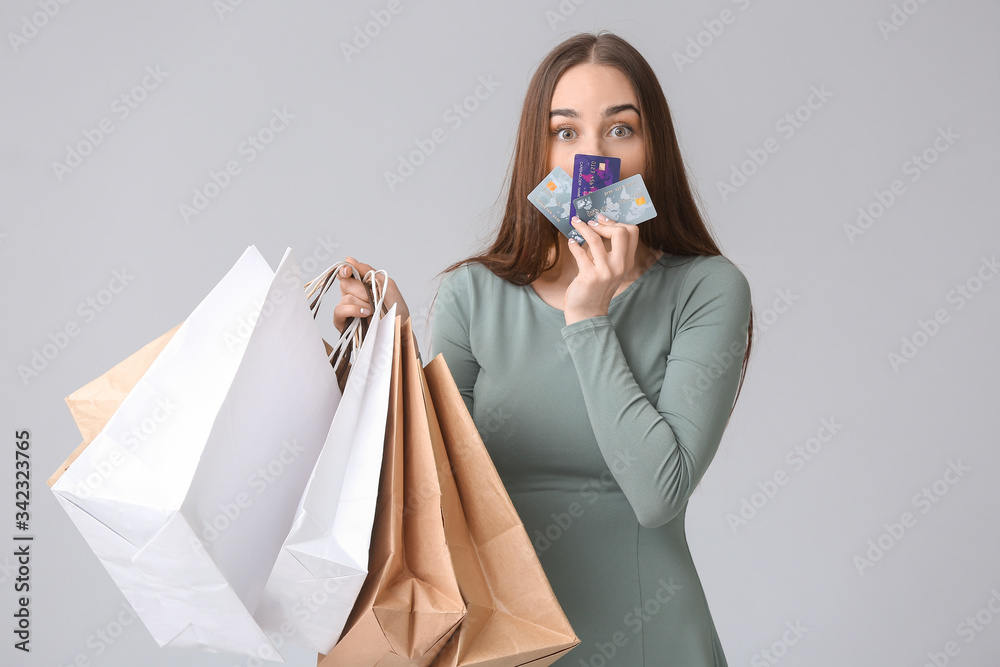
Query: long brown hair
point(523, 242)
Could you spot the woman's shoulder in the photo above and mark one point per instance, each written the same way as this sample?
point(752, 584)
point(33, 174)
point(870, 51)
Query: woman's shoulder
point(467, 274)
point(702, 278)
point(471, 281)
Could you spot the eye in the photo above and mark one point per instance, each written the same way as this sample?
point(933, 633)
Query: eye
point(561, 133)
point(622, 130)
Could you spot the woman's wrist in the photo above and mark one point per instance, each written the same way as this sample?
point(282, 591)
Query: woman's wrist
point(577, 315)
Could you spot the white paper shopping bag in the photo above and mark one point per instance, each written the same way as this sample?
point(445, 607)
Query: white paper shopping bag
point(187, 493)
point(324, 561)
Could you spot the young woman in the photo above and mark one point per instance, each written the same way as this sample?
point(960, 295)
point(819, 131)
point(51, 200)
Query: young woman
point(601, 376)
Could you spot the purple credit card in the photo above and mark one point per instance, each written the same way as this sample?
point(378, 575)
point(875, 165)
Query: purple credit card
point(592, 172)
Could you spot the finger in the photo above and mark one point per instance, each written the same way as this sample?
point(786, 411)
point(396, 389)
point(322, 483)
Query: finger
point(363, 303)
point(361, 267)
point(345, 311)
point(353, 287)
point(350, 307)
point(607, 227)
point(580, 254)
point(623, 238)
point(595, 243)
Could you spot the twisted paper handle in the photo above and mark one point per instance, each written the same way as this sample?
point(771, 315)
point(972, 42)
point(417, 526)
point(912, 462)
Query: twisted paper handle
point(357, 327)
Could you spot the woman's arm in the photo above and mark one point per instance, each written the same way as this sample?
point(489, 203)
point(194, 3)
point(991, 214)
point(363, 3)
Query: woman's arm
point(658, 454)
point(450, 331)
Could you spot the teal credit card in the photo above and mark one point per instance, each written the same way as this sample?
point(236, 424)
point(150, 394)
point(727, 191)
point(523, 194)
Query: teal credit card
point(625, 201)
point(552, 197)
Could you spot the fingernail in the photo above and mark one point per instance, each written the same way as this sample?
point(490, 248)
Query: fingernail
point(364, 311)
point(343, 270)
point(602, 217)
point(593, 223)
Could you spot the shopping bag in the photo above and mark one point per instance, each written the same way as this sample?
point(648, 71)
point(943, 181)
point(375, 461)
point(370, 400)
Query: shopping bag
point(93, 404)
point(410, 603)
point(324, 559)
point(187, 492)
point(513, 616)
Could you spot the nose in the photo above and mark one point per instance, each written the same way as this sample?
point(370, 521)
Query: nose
point(593, 146)
point(595, 143)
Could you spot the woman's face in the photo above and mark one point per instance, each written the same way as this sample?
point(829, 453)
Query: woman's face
point(595, 111)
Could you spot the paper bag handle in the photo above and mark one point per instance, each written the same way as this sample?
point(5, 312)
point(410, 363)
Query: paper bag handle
point(357, 327)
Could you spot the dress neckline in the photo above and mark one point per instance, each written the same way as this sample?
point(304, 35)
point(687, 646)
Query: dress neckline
point(642, 276)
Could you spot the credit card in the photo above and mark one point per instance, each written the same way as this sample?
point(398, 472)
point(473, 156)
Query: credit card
point(592, 172)
point(551, 197)
point(626, 201)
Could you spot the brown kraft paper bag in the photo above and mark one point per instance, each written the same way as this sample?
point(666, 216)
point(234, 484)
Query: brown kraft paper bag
point(410, 604)
point(513, 615)
point(93, 404)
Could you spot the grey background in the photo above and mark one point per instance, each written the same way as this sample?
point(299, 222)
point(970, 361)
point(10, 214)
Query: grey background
point(320, 185)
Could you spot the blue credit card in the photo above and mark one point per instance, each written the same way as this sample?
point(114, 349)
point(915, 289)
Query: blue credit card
point(552, 198)
point(592, 172)
point(626, 201)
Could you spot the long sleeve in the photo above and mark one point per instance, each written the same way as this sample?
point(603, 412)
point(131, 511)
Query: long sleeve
point(659, 453)
point(450, 331)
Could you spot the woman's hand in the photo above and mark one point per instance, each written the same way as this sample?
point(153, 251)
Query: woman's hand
point(354, 299)
point(603, 264)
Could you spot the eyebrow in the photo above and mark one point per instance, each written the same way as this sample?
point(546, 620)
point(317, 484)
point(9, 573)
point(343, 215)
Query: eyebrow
point(610, 111)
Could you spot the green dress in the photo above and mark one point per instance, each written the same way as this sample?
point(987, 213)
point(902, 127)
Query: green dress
point(600, 431)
